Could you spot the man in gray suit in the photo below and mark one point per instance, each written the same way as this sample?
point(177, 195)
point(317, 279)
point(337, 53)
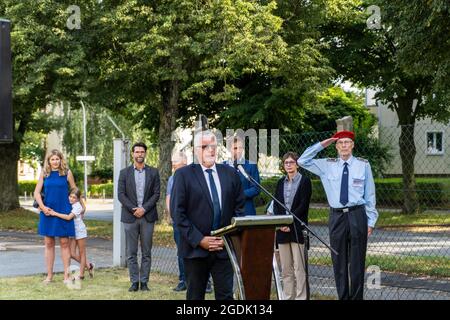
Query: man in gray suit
point(138, 191)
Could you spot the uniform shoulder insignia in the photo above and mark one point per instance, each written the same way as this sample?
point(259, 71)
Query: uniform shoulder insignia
point(362, 159)
point(332, 159)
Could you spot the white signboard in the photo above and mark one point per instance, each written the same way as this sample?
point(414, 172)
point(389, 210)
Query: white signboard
point(85, 158)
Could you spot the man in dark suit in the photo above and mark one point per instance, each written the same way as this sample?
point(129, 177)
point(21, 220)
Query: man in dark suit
point(138, 191)
point(205, 196)
point(250, 189)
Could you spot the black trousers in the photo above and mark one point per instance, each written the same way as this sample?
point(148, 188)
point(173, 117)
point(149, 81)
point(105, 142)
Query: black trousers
point(348, 236)
point(197, 272)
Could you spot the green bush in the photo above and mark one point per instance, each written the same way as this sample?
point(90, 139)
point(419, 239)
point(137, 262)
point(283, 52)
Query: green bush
point(27, 186)
point(96, 190)
point(270, 185)
point(104, 174)
point(432, 193)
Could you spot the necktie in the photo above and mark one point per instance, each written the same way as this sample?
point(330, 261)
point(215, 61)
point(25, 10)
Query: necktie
point(215, 200)
point(344, 186)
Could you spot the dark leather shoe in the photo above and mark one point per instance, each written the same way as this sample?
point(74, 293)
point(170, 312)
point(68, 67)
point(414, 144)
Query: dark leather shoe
point(134, 287)
point(180, 287)
point(144, 286)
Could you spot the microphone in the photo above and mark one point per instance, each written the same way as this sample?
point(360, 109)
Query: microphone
point(250, 178)
point(242, 171)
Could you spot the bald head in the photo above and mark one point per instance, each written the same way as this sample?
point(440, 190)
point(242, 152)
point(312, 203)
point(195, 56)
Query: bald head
point(179, 159)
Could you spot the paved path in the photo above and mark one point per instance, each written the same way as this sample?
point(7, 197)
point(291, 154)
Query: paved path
point(392, 242)
point(15, 248)
point(22, 254)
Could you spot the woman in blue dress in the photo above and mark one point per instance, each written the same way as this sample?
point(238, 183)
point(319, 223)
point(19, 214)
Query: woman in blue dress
point(55, 181)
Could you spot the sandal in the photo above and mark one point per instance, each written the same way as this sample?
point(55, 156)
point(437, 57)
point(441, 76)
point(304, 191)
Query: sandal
point(47, 281)
point(91, 269)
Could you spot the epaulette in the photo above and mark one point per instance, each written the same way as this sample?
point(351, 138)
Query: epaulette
point(362, 159)
point(332, 159)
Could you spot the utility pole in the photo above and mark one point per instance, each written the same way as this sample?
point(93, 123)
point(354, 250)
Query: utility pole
point(85, 158)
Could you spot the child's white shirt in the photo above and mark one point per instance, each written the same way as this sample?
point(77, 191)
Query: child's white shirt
point(80, 227)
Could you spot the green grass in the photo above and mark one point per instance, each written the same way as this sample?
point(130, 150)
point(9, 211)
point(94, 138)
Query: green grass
point(19, 220)
point(27, 221)
point(108, 284)
point(385, 219)
point(418, 266)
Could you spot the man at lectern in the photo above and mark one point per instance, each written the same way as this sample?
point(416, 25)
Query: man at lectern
point(205, 196)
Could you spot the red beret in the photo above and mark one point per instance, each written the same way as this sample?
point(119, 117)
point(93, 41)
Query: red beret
point(344, 134)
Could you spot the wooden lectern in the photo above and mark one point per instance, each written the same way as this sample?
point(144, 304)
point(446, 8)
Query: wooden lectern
point(249, 242)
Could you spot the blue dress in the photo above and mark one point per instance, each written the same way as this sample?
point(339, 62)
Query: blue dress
point(56, 190)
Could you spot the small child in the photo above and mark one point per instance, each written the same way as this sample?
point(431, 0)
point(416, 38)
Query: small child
point(80, 232)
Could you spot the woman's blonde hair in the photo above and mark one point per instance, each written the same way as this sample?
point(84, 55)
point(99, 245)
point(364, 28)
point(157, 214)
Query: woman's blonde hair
point(62, 165)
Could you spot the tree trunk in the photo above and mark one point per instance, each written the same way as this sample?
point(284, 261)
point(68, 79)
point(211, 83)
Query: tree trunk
point(407, 146)
point(408, 154)
point(9, 191)
point(168, 117)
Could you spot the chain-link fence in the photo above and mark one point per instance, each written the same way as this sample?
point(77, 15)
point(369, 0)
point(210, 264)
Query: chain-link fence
point(408, 255)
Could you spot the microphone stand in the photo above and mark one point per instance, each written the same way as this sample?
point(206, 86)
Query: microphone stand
point(250, 178)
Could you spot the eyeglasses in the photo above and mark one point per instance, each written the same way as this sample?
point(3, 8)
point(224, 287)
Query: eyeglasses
point(344, 142)
point(288, 163)
point(209, 146)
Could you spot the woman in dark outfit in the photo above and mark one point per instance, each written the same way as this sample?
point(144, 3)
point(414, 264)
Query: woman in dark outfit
point(294, 190)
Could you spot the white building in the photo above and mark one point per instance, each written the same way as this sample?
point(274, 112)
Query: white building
point(431, 138)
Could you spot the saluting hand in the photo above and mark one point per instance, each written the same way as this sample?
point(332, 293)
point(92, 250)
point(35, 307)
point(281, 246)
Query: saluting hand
point(325, 143)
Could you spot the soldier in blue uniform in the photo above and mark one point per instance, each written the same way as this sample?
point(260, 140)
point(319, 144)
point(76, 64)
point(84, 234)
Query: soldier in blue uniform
point(350, 190)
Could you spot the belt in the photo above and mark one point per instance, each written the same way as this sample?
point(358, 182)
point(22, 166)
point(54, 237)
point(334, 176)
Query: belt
point(347, 209)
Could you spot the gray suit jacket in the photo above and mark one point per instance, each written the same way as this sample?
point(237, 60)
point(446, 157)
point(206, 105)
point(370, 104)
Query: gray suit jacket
point(128, 198)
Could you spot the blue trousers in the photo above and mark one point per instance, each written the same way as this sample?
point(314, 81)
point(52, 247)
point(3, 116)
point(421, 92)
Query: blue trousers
point(177, 238)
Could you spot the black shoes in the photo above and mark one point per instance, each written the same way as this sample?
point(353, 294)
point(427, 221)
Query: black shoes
point(134, 287)
point(180, 287)
point(144, 286)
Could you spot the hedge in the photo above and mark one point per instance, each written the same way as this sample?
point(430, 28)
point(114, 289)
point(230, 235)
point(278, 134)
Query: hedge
point(95, 190)
point(27, 186)
point(432, 193)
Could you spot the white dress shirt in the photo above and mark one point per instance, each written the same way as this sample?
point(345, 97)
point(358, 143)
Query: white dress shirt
point(216, 181)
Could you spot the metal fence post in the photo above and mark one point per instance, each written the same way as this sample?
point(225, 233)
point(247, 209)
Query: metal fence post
point(121, 156)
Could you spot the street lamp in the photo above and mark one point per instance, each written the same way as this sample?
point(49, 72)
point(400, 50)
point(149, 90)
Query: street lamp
point(85, 158)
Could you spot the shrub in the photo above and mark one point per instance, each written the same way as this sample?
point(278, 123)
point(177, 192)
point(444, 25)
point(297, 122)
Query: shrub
point(432, 193)
point(96, 190)
point(27, 186)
